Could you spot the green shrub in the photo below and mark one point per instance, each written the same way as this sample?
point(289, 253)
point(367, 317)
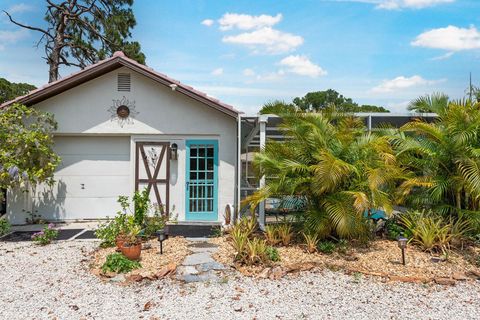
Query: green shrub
point(117, 262)
point(326, 247)
point(272, 254)
point(4, 226)
point(45, 236)
point(109, 231)
point(153, 224)
point(393, 229)
point(141, 206)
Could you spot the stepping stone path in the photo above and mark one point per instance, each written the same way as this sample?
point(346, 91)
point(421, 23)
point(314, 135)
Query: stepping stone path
point(199, 266)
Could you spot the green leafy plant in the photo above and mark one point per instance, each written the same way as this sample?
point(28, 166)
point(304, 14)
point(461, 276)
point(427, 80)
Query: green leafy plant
point(154, 223)
point(117, 262)
point(326, 247)
point(110, 230)
point(393, 229)
point(271, 234)
point(272, 254)
point(4, 226)
point(311, 241)
point(285, 233)
point(46, 236)
point(141, 206)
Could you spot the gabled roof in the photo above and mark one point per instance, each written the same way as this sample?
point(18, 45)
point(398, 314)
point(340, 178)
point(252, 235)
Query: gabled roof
point(118, 60)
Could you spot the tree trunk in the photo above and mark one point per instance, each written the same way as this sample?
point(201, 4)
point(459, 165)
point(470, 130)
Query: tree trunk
point(54, 58)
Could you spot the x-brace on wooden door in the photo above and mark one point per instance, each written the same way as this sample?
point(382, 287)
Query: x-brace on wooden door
point(152, 171)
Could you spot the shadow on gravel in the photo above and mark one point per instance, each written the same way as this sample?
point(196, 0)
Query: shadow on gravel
point(65, 234)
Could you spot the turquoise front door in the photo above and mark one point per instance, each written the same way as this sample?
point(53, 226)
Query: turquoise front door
point(202, 180)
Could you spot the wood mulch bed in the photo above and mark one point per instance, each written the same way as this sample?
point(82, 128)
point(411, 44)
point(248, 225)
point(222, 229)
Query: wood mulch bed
point(382, 258)
point(154, 265)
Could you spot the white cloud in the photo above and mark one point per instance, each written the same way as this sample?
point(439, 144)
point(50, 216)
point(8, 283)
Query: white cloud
point(217, 72)
point(398, 106)
point(7, 37)
point(415, 4)
point(248, 72)
point(450, 38)
point(266, 40)
point(401, 82)
point(19, 8)
point(208, 22)
point(301, 65)
point(443, 56)
point(271, 77)
point(247, 22)
point(399, 4)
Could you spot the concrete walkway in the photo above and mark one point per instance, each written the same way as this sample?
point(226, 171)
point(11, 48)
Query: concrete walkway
point(199, 266)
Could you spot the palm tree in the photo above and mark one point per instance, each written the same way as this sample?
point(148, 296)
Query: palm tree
point(429, 103)
point(445, 157)
point(332, 161)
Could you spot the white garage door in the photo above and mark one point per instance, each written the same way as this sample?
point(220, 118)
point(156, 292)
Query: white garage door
point(93, 173)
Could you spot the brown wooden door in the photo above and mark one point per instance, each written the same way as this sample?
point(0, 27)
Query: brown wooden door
point(152, 171)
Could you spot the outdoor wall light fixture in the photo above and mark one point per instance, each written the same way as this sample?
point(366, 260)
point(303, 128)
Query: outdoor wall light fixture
point(402, 244)
point(174, 151)
point(162, 236)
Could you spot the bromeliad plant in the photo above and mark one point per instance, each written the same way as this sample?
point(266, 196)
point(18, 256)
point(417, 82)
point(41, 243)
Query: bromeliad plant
point(46, 236)
point(330, 160)
point(250, 250)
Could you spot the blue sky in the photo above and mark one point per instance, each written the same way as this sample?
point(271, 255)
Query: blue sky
point(383, 52)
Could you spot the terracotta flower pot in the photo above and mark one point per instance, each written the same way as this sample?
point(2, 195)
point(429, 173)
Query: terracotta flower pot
point(132, 252)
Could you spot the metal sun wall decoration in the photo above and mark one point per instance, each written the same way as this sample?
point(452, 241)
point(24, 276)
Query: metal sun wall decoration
point(123, 111)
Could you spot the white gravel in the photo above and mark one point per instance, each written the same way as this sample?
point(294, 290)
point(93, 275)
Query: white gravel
point(53, 283)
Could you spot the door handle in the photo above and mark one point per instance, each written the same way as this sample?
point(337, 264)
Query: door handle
point(187, 184)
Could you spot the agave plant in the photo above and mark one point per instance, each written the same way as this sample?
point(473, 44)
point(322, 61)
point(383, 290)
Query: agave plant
point(331, 161)
point(444, 157)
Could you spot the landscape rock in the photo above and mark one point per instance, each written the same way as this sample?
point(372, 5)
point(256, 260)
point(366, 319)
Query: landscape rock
point(277, 273)
point(198, 258)
point(459, 276)
point(166, 270)
point(265, 273)
point(134, 278)
point(445, 281)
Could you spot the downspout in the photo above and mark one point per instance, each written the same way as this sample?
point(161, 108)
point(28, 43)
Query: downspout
point(239, 167)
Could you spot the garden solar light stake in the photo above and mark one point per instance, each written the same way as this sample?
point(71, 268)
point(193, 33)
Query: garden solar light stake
point(402, 244)
point(162, 236)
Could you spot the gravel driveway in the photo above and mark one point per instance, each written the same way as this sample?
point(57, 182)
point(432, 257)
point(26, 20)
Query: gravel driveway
point(53, 283)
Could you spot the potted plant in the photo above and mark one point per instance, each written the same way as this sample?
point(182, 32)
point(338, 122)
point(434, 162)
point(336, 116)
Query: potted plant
point(132, 244)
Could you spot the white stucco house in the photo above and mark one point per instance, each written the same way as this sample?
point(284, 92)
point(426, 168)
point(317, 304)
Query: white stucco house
point(124, 127)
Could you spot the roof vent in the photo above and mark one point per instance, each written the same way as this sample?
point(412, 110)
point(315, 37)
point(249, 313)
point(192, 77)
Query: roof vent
point(124, 83)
